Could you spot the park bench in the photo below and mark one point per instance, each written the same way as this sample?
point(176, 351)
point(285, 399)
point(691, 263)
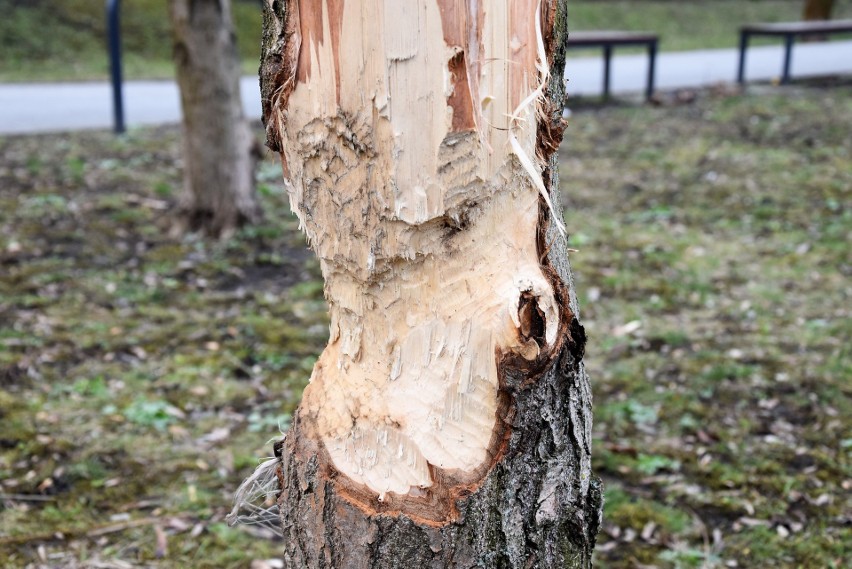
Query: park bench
point(610, 39)
point(789, 31)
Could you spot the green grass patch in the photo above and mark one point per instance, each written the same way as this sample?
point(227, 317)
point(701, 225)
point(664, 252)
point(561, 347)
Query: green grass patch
point(47, 41)
point(702, 24)
point(712, 261)
point(143, 375)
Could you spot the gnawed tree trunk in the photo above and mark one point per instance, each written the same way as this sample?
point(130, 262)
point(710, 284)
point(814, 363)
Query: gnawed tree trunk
point(448, 421)
point(220, 152)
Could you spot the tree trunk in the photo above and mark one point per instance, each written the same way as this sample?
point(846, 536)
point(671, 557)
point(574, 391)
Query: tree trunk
point(448, 421)
point(817, 9)
point(220, 152)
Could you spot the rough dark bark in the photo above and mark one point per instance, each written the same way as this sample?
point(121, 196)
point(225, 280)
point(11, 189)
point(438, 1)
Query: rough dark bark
point(817, 9)
point(538, 504)
point(220, 152)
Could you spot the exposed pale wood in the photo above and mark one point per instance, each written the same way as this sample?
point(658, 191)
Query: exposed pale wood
point(389, 151)
point(417, 140)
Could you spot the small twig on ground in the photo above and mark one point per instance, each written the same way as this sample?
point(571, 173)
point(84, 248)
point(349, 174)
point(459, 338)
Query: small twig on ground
point(26, 498)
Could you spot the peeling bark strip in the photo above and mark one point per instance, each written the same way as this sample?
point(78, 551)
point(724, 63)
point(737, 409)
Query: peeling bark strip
point(448, 420)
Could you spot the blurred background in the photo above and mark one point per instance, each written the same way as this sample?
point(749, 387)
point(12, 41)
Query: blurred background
point(144, 371)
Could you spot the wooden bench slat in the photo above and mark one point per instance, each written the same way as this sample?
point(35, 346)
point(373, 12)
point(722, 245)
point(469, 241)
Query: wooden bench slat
point(783, 28)
point(602, 37)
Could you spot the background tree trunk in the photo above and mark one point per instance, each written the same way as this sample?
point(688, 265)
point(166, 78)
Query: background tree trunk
point(220, 152)
point(448, 421)
point(817, 9)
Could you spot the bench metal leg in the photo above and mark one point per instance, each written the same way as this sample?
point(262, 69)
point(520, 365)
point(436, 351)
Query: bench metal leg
point(113, 8)
point(741, 66)
point(788, 52)
point(652, 61)
point(607, 50)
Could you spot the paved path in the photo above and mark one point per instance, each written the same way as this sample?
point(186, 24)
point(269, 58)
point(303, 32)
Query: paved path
point(51, 107)
point(707, 67)
point(29, 108)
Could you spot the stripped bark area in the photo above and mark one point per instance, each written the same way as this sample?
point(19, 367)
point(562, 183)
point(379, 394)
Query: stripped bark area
point(448, 420)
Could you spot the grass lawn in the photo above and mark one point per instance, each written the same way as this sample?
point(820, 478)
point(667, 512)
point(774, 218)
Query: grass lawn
point(47, 40)
point(713, 271)
point(142, 376)
point(51, 40)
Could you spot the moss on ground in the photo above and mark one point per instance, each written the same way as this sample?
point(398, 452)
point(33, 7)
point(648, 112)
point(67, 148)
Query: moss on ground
point(142, 375)
point(713, 252)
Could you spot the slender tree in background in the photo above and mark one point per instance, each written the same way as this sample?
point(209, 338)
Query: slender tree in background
point(817, 9)
point(220, 152)
point(448, 421)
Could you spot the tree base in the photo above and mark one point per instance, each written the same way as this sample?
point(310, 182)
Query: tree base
point(209, 224)
point(539, 506)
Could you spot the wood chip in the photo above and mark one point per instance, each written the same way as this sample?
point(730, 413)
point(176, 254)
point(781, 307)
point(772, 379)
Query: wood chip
point(753, 522)
point(162, 542)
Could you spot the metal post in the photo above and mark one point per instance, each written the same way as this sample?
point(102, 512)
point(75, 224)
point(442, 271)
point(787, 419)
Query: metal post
point(607, 57)
point(652, 60)
point(788, 52)
point(113, 8)
point(743, 46)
